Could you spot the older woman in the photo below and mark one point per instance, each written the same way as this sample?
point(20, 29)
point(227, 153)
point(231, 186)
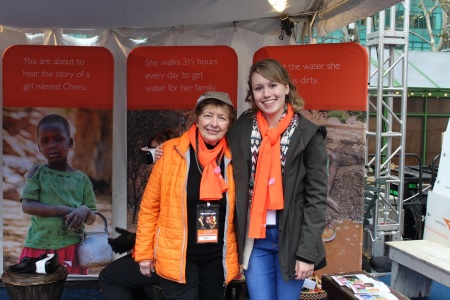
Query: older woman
point(190, 187)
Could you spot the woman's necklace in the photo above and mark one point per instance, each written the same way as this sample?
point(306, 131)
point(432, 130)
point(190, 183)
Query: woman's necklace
point(200, 168)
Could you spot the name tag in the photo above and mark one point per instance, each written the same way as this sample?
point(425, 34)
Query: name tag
point(207, 223)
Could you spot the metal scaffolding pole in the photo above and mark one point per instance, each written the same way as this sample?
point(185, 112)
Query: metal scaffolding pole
point(387, 105)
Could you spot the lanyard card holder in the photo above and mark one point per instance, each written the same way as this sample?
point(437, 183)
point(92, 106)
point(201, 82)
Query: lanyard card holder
point(207, 223)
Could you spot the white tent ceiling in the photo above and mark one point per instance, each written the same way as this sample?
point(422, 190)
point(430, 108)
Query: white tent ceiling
point(327, 15)
point(426, 70)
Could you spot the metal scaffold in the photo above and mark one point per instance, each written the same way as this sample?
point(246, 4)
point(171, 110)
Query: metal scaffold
point(387, 43)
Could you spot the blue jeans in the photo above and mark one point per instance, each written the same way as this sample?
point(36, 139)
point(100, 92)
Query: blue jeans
point(263, 275)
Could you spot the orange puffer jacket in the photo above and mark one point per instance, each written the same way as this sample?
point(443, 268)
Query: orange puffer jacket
point(162, 225)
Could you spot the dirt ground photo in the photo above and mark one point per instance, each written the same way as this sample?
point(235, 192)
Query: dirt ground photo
point(346, 140)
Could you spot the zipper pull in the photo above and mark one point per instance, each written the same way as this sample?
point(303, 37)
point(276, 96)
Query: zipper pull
point(224, 289)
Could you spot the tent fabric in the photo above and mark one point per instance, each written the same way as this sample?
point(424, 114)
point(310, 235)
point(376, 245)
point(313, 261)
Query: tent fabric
point(327, 15)
point(140, 14)
point(338, 13)
point(426, 70)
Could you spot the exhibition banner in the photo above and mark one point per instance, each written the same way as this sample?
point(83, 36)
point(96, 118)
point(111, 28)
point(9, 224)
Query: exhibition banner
point(172, 77)
point(332, 80)
point(58, 76)
point(327, 76)
point(75, 83)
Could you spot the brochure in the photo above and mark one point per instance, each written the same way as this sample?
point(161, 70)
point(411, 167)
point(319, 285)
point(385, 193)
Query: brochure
point(344, 280)
point(365, 287)
point(369, 286)
point(376, 296)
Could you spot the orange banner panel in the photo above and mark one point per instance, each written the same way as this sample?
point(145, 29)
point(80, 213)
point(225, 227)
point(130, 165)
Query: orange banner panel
point(58, 76)
point(173, 77)
point(327, 76)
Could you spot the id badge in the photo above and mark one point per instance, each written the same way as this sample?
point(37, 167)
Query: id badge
point(207, 223)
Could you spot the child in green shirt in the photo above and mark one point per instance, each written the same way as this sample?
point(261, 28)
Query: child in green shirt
point(59, 198)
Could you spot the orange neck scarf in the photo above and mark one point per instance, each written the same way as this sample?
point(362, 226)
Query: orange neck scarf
point(268, 190)
point(212, 184)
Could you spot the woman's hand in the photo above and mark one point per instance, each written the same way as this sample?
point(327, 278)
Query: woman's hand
point(303, 270)
point(158, 152)
point(147, 267)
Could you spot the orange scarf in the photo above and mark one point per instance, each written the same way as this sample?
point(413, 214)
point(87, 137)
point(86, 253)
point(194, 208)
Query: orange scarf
point(268, 189)
point(212, 184)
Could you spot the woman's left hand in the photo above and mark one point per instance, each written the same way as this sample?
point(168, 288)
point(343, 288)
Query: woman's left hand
point(303, 270)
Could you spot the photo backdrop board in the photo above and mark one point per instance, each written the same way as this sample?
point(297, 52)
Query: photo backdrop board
point(164, 84)
point(57, 76)
point(75, 82)
point(332, 80)
point(173, 77)
point(327, 76)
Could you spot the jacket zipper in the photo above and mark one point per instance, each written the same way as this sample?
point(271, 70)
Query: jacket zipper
point(183, 217)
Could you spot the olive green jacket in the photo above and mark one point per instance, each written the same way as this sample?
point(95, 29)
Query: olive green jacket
point(302, 221)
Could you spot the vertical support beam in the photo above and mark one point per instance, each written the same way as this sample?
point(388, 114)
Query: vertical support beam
point(388, 102)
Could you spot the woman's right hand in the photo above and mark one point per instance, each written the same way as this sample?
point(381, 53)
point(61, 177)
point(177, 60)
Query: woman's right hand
point(146, 267)
point(158, 152)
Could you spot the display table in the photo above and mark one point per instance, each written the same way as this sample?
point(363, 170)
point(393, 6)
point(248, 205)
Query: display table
point(337, 292)
point(416, 263)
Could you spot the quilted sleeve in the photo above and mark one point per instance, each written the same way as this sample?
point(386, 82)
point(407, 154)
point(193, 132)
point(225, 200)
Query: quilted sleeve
point(148, 214)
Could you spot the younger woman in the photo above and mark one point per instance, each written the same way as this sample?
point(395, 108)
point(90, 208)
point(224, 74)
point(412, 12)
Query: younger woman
point(279, 161)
